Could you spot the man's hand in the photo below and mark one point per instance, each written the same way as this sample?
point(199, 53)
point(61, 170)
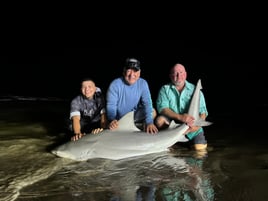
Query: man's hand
point(151, 128)
point(77, 136)
point(96, 130)
point(188, 119)
point(113, 125)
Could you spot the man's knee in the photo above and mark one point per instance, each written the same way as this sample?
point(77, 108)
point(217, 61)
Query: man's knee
point(161, 122)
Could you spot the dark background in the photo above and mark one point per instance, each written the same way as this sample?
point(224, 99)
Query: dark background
point(233, 72)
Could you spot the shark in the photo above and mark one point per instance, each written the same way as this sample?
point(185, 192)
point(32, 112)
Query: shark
point(128, 140)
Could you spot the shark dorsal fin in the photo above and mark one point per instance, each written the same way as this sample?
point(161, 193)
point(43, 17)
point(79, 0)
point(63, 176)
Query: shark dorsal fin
point(126, 123)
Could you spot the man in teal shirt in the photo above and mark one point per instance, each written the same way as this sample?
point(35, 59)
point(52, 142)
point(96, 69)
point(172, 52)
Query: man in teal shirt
point(173, 102)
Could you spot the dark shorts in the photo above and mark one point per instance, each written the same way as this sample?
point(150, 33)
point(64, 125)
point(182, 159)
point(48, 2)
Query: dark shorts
point(140, 115)
point(199, 139)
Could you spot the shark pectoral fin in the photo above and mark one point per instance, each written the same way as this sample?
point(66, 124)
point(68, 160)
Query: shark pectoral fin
point(173, 124)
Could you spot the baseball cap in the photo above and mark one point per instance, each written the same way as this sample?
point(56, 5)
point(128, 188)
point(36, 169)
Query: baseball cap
point(132, 63)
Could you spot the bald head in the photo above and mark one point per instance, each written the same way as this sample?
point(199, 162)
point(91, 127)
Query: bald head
point(177, 67)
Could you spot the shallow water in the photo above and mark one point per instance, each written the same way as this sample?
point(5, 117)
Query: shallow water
point(234, 168)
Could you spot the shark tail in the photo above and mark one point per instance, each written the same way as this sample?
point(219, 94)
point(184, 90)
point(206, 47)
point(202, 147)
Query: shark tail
point(202, 122)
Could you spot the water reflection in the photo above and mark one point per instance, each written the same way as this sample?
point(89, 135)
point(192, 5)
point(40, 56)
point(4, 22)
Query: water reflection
point(153, 177)
point(185, 180)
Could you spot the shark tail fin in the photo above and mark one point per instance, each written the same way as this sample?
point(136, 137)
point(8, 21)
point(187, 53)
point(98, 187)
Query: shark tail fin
point(202, 122)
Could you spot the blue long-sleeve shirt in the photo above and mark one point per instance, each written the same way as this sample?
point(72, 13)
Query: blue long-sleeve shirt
point(123, 98)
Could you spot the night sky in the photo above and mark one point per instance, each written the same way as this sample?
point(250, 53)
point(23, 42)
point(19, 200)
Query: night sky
point(232, 72)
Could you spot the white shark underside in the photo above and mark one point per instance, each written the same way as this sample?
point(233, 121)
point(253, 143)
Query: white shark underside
point(128, 141)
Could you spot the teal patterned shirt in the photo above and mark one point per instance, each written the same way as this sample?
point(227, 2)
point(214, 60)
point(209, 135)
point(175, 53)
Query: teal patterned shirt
point(170, 97)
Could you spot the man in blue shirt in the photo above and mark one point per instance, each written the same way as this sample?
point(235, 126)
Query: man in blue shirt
point(130, 93)
point(173, 102)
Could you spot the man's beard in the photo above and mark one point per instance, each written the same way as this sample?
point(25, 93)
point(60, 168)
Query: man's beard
point(177, 83)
